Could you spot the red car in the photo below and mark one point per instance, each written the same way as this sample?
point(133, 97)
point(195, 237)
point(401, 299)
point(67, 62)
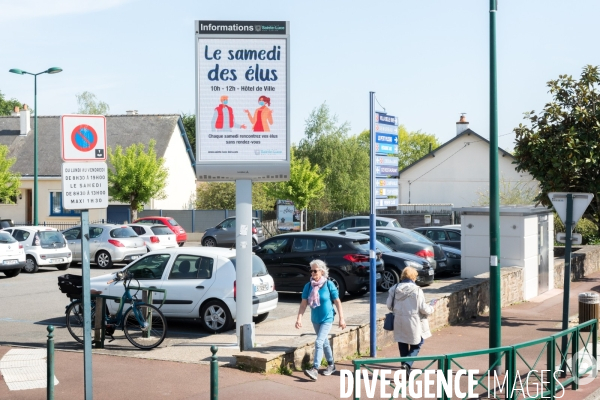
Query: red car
point(168, 221)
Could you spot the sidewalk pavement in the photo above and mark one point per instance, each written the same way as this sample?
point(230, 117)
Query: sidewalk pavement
point(141, 378)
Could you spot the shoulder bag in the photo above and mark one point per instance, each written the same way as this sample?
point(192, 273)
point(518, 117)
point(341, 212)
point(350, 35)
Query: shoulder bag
point(388, 323)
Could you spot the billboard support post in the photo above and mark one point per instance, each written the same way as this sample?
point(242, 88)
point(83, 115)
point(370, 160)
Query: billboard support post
point(243, 269)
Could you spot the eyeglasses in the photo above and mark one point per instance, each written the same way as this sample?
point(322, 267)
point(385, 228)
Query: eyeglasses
point(314, 271)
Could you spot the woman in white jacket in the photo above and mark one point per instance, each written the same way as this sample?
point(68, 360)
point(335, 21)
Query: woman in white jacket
point(410, 310)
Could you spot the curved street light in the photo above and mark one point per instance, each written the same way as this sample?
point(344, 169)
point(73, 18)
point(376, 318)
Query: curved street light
point(53, 70)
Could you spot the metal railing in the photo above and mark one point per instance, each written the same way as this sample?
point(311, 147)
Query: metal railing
point(538, 363)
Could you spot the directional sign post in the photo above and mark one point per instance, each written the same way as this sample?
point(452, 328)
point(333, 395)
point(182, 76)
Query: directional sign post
point(570, 207)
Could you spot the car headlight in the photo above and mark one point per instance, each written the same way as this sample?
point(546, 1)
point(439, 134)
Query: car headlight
point(413, 264)
point(452, 255)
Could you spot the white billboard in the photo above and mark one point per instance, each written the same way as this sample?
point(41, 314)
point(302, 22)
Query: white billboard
point(242, 115)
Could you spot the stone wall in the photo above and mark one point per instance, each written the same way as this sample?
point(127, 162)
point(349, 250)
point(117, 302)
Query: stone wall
point(584, 261)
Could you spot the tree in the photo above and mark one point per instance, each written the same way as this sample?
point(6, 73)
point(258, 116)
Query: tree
point(306, 184)
point(221, 196)
point(189, 124)
point(512, 193)
point(136, 176)
point(561, 147)
point(10, 182)
point(89, 104)
point(8, 106)
point(344, 161)
point(413, 145)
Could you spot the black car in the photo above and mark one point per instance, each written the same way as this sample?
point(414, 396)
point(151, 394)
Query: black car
point(409, 241)
point(288, 258)
point(396, 261)
point(444, 235)
point(454, 258)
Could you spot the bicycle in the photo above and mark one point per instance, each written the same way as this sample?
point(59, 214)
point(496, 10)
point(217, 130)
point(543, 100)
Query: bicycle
point(144, 325)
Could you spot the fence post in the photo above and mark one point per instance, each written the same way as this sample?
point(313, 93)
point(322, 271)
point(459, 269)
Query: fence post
point(160, 212)
point(550, 360)
point(50, 364)
point(575, 358)
point(214, 374)
point(443, 365)
point(193, 219)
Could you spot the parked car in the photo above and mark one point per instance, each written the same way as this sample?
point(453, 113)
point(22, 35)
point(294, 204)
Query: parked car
point(448, 235)
point(200, 283)
point(224, 233)
point(157, 237)
point(358, 221)
point(394, 263)
point(6, 223)
point(12, 255)
point(109, 243)
point(168, 221)
point(288, 258)
point(409, 241)
point(454, 257)
point(44, 247)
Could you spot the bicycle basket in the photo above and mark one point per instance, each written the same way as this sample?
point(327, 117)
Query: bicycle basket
point(70, 284)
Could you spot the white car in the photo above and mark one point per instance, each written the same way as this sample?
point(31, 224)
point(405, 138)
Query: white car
point(44, 247)
point(157, 237)
point(12, 255)
point(200, 283)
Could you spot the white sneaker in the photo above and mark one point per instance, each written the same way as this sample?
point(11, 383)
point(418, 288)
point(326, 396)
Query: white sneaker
point(329, 370)
point(312, 373)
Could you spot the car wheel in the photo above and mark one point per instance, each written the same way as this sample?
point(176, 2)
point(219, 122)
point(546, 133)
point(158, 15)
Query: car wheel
point(103, 259)
point(181, 244)
point(209, 242)
point(215, 317)
point(11, 273)
point(30, 265)
point(339, 284)
point(389, 277)
point(254, 243)
point(63, 267)
point(260, 318)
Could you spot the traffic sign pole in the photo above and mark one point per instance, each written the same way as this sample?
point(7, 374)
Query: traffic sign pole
point(372, 249)
point(567, 281)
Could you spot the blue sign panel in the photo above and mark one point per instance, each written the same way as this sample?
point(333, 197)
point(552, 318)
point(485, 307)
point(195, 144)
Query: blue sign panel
point(383, 160)
point(386, 170)
point(386, 148)
point(393, 130)
point(386, 138)
point(383, 118)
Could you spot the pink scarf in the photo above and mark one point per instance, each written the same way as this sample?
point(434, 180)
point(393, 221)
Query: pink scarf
point(314, 300)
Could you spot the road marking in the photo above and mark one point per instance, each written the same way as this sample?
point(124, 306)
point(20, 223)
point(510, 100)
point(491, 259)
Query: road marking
point(25, 369)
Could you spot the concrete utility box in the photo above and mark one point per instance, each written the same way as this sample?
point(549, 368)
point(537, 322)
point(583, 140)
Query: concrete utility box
point(526, 240)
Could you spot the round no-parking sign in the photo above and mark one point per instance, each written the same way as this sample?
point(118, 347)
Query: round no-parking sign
point(83, 137)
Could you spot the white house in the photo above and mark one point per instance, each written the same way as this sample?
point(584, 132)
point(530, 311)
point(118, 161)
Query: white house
point(458, 172)
point(172, 144)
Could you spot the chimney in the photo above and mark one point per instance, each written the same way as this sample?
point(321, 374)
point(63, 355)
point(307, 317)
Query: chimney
point(462, 125)
point(25, 120)
point(132, 112)
point(15, 112)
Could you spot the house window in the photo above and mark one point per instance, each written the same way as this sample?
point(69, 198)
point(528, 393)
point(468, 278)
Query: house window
point(56, 208)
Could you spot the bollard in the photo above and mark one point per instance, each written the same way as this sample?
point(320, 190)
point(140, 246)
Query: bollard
point(214, 374)
point(50, 364)
point(589, 308)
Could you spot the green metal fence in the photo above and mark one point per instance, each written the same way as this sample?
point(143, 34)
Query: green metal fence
point(533, 365)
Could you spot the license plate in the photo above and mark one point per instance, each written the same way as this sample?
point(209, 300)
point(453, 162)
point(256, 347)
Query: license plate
point(10, 262)
point(56, 260)
point(263, 287)
point(378, 276)
point(430, 272)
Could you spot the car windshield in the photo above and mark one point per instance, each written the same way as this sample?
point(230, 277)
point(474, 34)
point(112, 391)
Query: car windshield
point(161, 230)
point(257, 223)
point(258, 266)
point(6, 238)
point(123, 232)
point(51, 237)
point(172, 222)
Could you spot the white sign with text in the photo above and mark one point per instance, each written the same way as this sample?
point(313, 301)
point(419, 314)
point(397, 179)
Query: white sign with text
point(84, 185)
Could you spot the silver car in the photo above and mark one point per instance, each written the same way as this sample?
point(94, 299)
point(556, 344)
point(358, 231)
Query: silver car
point(109, 244)
point(157, 237)
point(224, 233)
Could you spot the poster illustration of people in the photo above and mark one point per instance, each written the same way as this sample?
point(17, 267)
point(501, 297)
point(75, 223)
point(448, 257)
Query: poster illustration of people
point(287, 216)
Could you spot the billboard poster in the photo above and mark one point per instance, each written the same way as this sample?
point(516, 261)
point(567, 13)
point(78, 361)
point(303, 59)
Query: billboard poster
point(242, 116)
point(287, 216)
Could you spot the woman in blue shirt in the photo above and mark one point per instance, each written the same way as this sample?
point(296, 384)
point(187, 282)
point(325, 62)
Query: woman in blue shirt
point(321, 294)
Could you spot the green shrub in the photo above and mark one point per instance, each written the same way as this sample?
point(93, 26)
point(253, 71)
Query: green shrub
point(587, 229)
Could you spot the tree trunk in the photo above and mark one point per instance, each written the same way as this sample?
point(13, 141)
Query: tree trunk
point(133, 213)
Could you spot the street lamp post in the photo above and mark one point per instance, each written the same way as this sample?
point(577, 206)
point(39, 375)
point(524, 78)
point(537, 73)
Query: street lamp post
point(53, 70)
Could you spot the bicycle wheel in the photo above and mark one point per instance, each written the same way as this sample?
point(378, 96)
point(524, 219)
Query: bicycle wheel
point(153, 330)
point(75, 320)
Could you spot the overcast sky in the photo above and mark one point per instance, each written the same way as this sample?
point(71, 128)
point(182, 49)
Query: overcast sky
point(427, 60)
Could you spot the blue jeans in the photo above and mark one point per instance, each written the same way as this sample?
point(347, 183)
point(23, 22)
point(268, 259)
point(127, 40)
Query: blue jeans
point(410, 350)
point(322, 344)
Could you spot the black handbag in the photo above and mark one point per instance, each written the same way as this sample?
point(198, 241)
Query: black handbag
point(388, 323)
